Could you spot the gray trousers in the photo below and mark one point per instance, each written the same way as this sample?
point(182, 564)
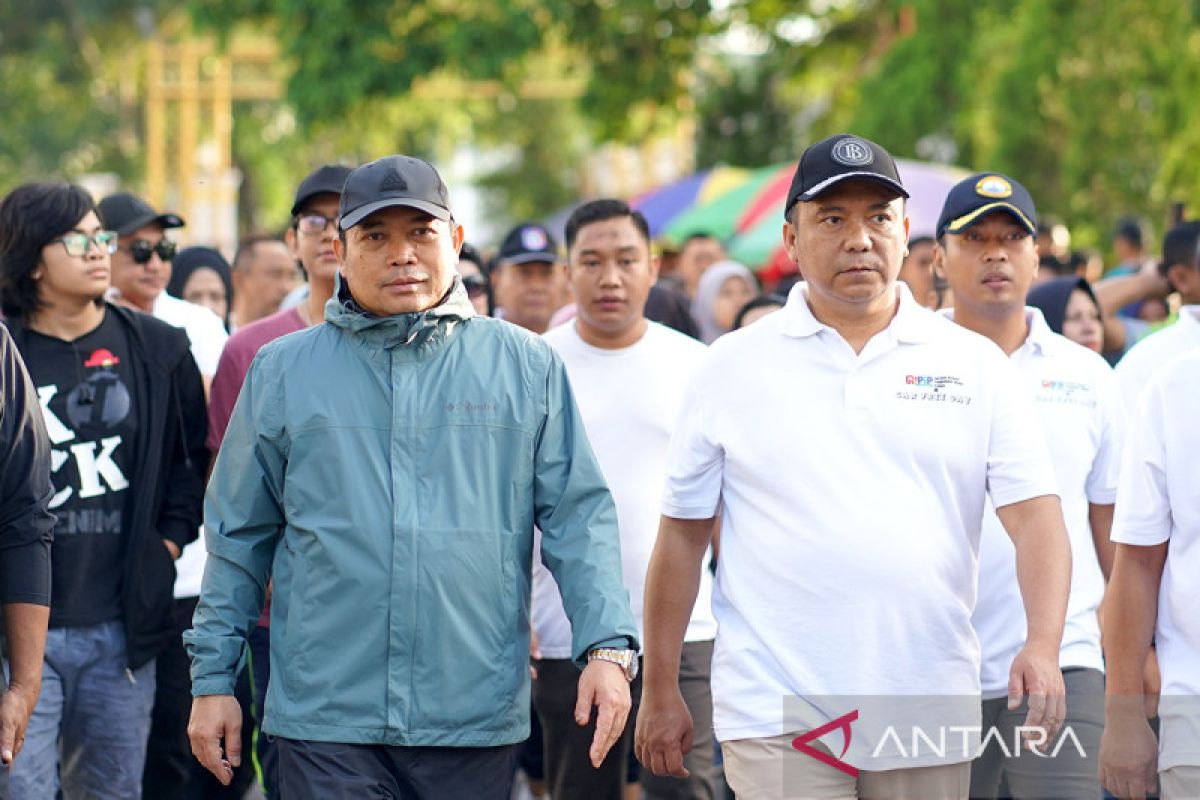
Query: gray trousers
point(331, 771)
point(1067, 775)
point(569, 772)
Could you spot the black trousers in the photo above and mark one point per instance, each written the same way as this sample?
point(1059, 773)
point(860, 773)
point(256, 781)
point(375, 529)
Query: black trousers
point(171, 770)
point(328, 771)
point(569, 771)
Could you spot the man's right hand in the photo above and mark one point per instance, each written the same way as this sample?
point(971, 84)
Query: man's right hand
point(664, 732)
point(1128, 753)
point(216, 720)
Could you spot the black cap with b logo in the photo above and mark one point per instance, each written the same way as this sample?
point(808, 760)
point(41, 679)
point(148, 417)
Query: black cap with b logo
point(839, 158)
point(393, 181)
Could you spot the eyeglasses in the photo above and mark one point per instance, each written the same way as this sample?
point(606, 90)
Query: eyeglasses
point(142, 250)
point(77, 244)
point(314, 223)
point(475, 286)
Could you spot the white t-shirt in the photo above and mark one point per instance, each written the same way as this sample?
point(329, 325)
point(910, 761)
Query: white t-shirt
point(629, 400)
point(1137, 367)
point(1159, 501)
point(1076, 398)
point(207, 336)
point(203, 328)
point(853, 488)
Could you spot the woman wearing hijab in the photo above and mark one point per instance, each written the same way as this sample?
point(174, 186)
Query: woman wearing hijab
point(201, 275)
point(1070, 308)
point(723, 289)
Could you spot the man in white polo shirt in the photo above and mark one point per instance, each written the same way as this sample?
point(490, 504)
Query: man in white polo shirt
point(987, 253)
point(849, 538)
point(1181, 265)
point(1154, 593)
point(629, 376)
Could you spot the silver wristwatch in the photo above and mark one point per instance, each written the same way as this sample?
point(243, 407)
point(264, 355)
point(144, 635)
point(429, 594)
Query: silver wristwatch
point(624, 658)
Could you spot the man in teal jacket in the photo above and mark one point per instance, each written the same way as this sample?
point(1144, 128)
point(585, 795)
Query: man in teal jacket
point(387, 469)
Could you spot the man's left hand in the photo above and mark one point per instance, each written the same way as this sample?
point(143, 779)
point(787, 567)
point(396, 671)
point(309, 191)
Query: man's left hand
point(603, 684)
point(172, 548)
point(1035, 674)
point(16, 706)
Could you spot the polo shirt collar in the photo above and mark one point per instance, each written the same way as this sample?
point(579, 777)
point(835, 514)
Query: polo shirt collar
point(1040, 337)
point(912, 324)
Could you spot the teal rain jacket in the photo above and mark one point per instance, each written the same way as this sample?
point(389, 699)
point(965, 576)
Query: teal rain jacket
point(388, 473)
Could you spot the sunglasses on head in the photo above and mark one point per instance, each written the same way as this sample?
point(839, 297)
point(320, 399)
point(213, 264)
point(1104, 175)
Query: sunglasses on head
point(77, 244)
point(142, 250)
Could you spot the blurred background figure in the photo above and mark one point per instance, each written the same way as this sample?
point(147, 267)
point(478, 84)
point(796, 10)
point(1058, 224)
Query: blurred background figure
point(758, 308)
point(917, 271)
point(473, 270)
point(699, 252)
point(264, 273)
point(528, 280)
point(201, 275)
point(1070, 308)
point(1128, 242)
point(723, 289)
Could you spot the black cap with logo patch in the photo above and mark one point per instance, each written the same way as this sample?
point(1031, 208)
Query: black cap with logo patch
point(839, 158)
point(393, 181)
point(528, 243)
point(974, 197)
point(327, 179)
point(124, 213)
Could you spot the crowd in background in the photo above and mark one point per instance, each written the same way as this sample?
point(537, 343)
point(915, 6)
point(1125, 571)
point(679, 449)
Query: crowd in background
point(137, 401)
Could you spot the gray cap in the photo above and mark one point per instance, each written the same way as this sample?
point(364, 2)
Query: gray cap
point(393, 181)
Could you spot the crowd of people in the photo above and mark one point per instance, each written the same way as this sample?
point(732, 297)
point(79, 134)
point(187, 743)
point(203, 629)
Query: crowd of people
point(368, 511)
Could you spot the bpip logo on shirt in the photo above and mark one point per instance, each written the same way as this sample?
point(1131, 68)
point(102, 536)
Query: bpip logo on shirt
point(932, 388)
point(1067, 392)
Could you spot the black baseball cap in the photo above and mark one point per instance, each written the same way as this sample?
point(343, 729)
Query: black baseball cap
point(327, 179)
point(839, 158)
point(393, 181)
point(979, 195)
point(124, 213)
point(528, 243)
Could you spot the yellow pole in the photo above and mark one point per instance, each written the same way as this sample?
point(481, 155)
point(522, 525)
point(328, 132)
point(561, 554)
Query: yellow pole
point(189, 125)
point(156, 127)
point(221, 196)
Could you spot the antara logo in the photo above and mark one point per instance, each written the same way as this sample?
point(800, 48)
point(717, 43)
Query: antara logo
point(801, 743)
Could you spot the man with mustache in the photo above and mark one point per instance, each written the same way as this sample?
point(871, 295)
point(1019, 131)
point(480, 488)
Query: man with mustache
point(987, 253)
point(386, 470)
point(848, 537)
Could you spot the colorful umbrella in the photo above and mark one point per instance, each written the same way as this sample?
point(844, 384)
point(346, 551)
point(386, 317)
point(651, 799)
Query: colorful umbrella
point(760, 244)
point(719, 217)
point(662, 205)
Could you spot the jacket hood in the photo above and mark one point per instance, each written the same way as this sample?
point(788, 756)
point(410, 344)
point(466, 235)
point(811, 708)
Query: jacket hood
point(399, 330)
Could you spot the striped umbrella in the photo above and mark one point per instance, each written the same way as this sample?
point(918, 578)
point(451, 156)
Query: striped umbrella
point(663, 205)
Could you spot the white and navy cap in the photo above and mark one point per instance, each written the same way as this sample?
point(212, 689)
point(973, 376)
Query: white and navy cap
point(840, 158)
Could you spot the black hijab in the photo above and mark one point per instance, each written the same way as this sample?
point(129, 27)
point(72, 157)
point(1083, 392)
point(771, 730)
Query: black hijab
point(190, 259)
point(1052, 296)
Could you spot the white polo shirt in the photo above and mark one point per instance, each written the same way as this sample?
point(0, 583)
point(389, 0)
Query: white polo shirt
point(1137, 367)
point(1076, 398)
point(203, 328)
point(853, 488)
point(629, 400)
point(1159, 501)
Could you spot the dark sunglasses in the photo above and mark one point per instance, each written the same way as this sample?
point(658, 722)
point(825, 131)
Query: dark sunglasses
point(475, 286)
point(142, 250)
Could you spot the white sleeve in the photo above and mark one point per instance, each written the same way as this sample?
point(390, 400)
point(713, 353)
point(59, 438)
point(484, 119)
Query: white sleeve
point(208, 339)
point(1018, 464)
point(1143, 512)
point(1101, 483)
point(695, 460)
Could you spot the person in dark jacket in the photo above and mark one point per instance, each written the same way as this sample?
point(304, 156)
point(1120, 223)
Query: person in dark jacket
point(123, 406)
point(26, 527)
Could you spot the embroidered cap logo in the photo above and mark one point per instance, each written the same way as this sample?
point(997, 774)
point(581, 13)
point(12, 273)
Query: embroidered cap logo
point(852, 152)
